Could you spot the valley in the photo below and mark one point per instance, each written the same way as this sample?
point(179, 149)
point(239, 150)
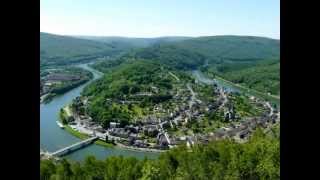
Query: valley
point(146, 121)
point(159, 90)
point(152, 99)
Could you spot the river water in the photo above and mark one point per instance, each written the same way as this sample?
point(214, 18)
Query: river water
point(202, 78)
point(52, 137)
point(231, 88)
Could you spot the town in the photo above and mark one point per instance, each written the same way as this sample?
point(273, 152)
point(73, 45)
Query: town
point(181, 123)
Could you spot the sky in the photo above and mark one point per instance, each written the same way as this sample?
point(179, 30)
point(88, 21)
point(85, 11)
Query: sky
point(155, 18)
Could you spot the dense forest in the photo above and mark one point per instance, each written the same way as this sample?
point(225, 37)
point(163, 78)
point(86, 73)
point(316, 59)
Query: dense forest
point(247, 60)
point(64, 50)
point(259, 158)
point(130, 43)
point(214, 50)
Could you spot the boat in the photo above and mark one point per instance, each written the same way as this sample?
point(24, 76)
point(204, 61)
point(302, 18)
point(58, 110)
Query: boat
point(60, 124)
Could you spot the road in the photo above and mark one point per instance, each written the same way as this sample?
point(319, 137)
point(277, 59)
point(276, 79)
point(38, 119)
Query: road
point(224, 97)
point(163, 131)
point(193, 96)
point(173, 75)
point(270, 107)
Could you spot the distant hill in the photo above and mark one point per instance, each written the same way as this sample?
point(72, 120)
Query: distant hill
point(212, 50)
point(263, 76)
point(59, 50)
point(129, 43)
point(250, 61)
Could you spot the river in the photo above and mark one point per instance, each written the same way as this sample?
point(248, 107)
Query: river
point(52, 137)
point(232, 88)
point(202, 78)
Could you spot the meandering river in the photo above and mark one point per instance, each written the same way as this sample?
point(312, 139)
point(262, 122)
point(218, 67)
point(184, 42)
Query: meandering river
point(52, 137)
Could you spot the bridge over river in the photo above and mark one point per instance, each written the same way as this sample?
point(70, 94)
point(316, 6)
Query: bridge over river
point(74, 147)
point(52, 137)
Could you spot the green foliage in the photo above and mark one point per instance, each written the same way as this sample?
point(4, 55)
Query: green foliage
point(63, 50)
point(213, 51)
point(172, 56)
point(47, 169)
point(143, 82)
point(259, 158)
point(63, 116)
point(262, 76)
point(129, 43)
point(240, 59)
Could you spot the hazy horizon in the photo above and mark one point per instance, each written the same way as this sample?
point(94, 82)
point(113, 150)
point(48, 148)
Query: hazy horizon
point(142, 37)
point(147, 19)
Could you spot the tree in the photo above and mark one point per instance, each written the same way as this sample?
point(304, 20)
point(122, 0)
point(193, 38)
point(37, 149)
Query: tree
point(64, 170)
point(259, 158)
point(47, 168)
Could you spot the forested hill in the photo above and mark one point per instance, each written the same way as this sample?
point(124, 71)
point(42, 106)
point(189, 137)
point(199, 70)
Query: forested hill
point(129, 43)
point(214, 50)
point(125, 83)
point(263, 76)
point(60, 50)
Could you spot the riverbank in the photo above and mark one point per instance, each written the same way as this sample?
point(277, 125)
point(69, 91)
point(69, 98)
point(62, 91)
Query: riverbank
point(60, 91)
point(47, 97)
point(267, 97)
point(139, 149)
point(52, 137)
point(64, 115)
point(271, 98)
point(247, 89)
point(85, 136)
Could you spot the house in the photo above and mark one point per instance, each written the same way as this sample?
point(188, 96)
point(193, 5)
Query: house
point(154, 89)
point(150, 130)
point(162, 142)
point(131, 140)
point(183, 138)
point(166, 125)
point(132, 129)
point(226, 116)
point(100, 129)
point(114, 124)
point(151, 120)
point(120, 132)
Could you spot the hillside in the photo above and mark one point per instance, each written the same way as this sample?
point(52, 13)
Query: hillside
point(213, 50)
point(250, 61)
point(129, 43)
point(143, 82)
point(61, 50)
